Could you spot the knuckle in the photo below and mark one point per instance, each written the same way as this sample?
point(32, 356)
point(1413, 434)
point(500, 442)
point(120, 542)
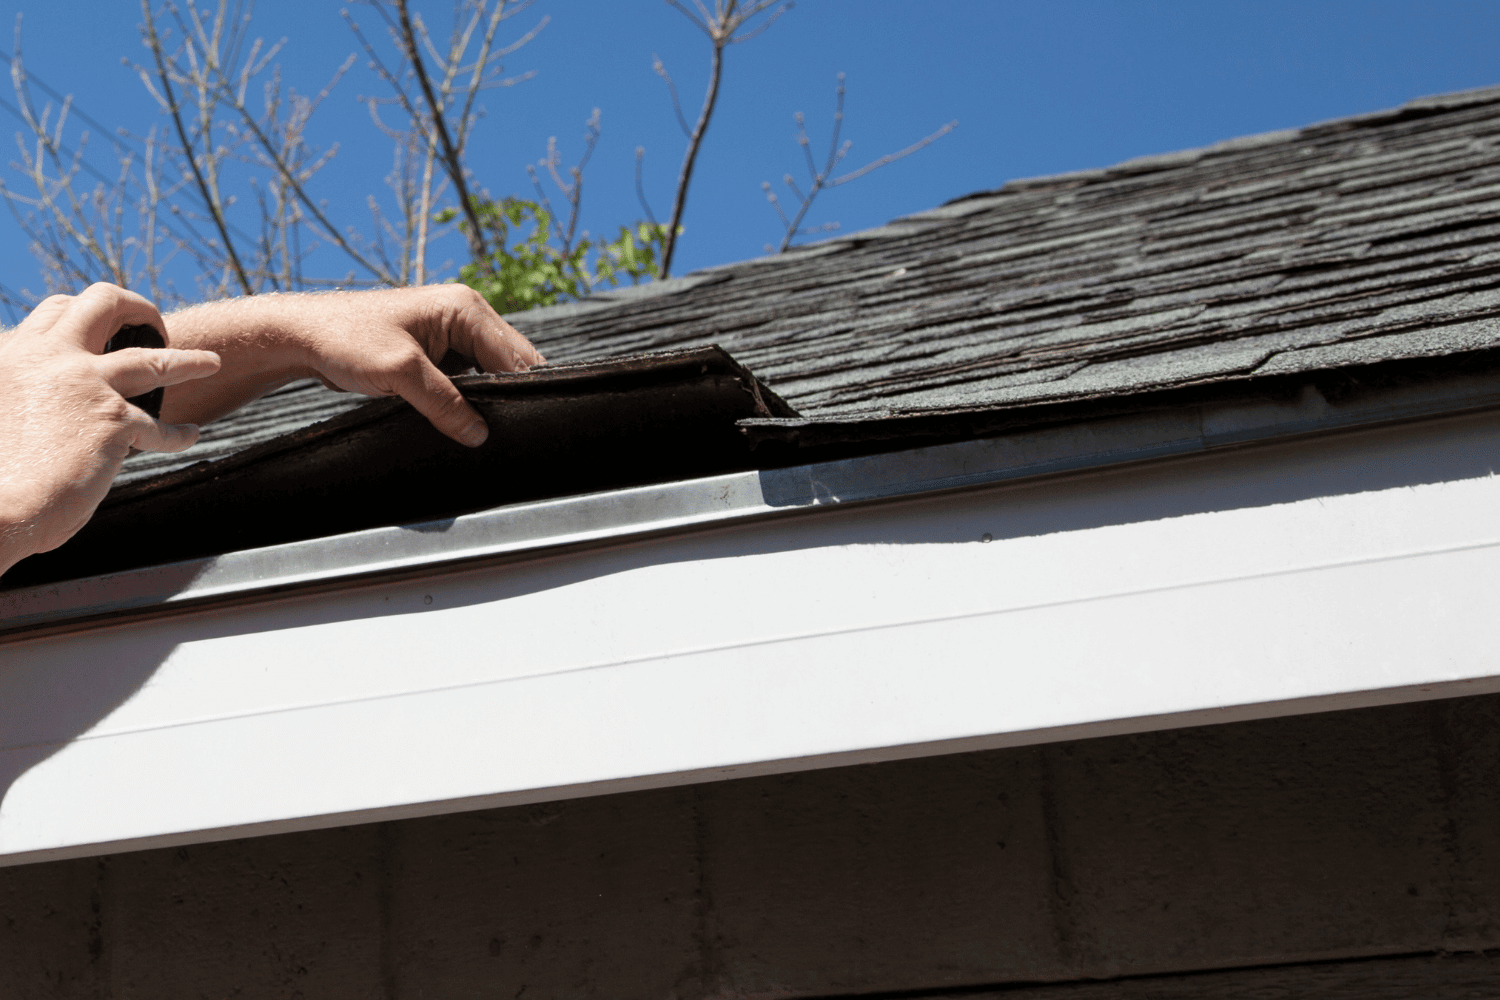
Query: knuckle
point(103, 289)
point(454, 403)
point(462, 299)
point(405, 362)
point(455, 291)
point(115, 298)
point(113, 409)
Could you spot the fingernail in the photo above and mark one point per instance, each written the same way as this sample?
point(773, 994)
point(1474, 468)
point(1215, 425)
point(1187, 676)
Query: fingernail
point(475, 434)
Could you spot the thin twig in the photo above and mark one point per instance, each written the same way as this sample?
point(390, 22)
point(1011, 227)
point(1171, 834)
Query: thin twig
point(661, 71)
point(571, 189)
point(893, 157)
point(477, 79)
point(685, 178)
point(821, 180)
point(722, 26)
point(448, 153)
point(80, 238)
point(329, 231)
point(441, 84)
point(216, 210)
point(640, 191)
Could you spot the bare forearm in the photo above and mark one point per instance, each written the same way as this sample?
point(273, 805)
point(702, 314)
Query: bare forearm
point(258, 342)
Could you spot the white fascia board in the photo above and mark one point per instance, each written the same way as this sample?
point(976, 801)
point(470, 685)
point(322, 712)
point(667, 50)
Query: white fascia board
point(1324, 573)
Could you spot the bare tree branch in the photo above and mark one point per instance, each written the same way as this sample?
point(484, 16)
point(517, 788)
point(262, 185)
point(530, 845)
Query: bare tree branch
point(823, 179)
point(447, 151)
point(205, 80)
point(215, 207)
point(775, 203)
point(685, 178)
point(640, 191)
point(81, 236)
point(448, 77)
point(661, 71)
point(295, 185)
point(893, 157)
point(722, 26)
point(760, 29)
point(702, 21)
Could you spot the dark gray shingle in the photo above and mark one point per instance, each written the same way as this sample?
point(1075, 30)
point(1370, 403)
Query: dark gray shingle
point(1341, 243)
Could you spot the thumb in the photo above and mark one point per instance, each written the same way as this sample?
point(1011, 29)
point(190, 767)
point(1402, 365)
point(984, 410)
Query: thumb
point(149, 434)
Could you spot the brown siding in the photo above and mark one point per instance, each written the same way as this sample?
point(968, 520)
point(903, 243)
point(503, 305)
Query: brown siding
point(1253, 849)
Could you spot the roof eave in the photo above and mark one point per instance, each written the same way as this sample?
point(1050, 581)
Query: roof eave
point(1299, 408)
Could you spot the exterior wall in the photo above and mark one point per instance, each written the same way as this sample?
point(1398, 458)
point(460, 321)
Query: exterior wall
point(1361, 834)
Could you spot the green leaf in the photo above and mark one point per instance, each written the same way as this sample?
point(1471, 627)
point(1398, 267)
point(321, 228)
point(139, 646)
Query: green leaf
point(532, 271)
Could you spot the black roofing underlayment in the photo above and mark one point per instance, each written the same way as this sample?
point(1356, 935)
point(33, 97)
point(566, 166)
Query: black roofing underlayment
point(1339, 245)
point(570, 429)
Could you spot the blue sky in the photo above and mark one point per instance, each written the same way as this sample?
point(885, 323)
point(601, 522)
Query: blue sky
point(1036, 87)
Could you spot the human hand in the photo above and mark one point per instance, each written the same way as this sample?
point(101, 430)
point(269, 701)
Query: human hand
point(385, 342)
point(65, 426)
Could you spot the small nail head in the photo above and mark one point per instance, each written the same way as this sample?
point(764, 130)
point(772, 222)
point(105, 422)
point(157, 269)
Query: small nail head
point(427, 599)
point(986, 537)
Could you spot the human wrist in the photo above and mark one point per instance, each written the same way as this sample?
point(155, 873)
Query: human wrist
point(261, 343)
point(258, 336)
point(18, 531)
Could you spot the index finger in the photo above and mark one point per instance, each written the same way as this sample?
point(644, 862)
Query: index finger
point(97, 313)
point(435, 396)
point(498, 347)
point(138, 370)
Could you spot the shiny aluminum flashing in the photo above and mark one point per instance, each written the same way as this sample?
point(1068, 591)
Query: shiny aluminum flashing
point(619, 515)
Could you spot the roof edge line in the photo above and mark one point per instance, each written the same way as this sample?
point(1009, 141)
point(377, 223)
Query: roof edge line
point(1151, 162)
point(544, 527)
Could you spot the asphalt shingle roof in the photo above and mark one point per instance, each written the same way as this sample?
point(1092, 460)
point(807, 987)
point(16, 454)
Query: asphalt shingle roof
point(1351, 241)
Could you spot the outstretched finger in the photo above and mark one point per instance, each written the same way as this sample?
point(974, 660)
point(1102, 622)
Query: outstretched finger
point(434, 396)
point(99, 311)
point(138, 370)
point(149, 434)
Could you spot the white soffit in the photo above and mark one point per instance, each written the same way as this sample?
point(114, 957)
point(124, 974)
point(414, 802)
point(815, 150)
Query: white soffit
point(1329, 572)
